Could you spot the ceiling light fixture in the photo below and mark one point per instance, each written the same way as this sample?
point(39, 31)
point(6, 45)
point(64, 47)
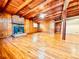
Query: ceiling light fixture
point(42, 16)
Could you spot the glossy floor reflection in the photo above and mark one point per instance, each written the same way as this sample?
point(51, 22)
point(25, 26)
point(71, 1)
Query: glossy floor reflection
point(40, 46)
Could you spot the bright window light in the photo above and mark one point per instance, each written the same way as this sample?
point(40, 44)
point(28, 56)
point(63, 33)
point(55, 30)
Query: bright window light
point(35, 25)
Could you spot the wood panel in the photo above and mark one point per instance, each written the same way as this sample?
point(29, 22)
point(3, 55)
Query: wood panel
point(38, 7)
point(28, 26)
point(46, 46)
point(14, 6)
point(30, 6)
point(5, 25)
point(45, 9)
point(1, 2)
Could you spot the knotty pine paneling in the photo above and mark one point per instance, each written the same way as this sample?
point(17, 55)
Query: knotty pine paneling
point(28, 26)
point(5, 25)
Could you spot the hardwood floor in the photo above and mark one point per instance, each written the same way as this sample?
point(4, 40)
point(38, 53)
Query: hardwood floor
point(40, 46)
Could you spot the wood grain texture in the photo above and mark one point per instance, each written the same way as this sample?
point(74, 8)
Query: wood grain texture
point(40, 46)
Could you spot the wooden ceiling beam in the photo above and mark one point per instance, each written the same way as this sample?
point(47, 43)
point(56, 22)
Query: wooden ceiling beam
point(35, 3)
point(42, 4)
point(30, 6)
point(38, 12)
point(23, 5)
point(72, 1)
point(71, 9)
point(4, 4)
point(59, 8)
point(1, 2)
point(73, 4)
point(73, 14)
point(53, 14)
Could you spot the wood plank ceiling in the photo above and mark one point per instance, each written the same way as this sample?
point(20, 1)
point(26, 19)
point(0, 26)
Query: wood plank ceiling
point(32, 8)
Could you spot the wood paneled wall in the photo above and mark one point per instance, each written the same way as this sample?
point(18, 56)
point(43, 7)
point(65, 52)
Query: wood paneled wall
point(44, 26)
point(5, 25)
point(28, 26)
